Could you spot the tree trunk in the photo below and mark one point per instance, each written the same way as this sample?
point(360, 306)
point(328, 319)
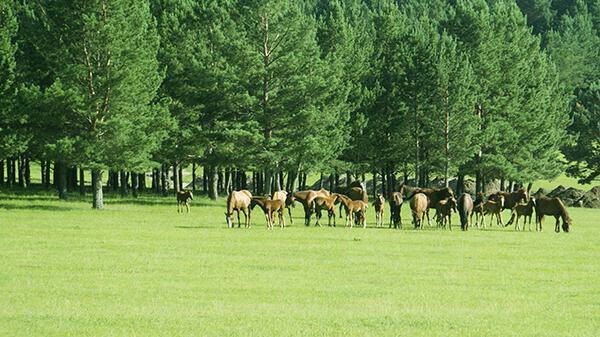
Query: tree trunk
point(21, 172)
point(331, 178)
point(27, 171)
point(337, 181)
point(460, 184)
point(123, 178)
point(2, 172)
point(61, 169)
point(213, 192)
point(13, 169)
point(510, 186)
point(321, 181)
point(175, 178)
point(220, 180)
point(47, 173)
point(205, 179)
point(180, 173)
point(163, 180)
point(194, 176)
point(81, 182)
point(134, 184)
point(154, 180)
point(478, 185)
point(267, 182)
point(348, 179)
point(98, 198)
point(42, 172)
point(375, 183)
point(244, 180)
point(502, 183)
point(383, 182)
point(529, 186)
point(141, 182)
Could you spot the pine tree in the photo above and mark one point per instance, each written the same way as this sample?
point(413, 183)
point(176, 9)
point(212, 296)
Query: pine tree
point(107, 79)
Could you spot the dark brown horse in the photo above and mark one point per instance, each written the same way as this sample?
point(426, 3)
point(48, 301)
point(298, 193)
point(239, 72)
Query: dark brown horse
point(525, 211)
point(478, 209)
point(434, 195)
point(444, 210)
point(239, 201)
point(183, 198)
point(554, 207)
point(465, 210)
point(511, 199)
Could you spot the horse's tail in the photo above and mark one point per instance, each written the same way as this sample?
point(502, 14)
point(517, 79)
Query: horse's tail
point(464, 220)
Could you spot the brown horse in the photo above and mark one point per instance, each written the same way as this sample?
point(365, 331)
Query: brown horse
point(396, 199)
point(525, 211)
point(554, 207)
point(287, 199)
point(351, 207)
point(269, 207)
point(434, 195)
point(444, 210)
point(465, 210)
point(511, 199)
point(354, 192)
point(323, 203)
point(418, 206)
point(478, 209)
point(379, 205)
point(494, 208)
point(183, 198)
point(306, 198)
point(239, 201)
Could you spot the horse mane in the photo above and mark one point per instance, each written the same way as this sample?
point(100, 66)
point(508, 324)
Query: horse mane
point(564, 214)
point(260, 202)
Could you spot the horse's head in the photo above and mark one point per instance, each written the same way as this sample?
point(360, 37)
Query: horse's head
point(290, 200)
point(229, 219)
point(452, 203)
point(500, 199)
point(447, 192)
point(532, 202)
point(567, 223)
point(523, 195)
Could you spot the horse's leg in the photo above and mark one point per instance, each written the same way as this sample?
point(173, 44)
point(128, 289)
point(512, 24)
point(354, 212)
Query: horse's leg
point(557, 224)
point(531, 216)
point(290, 214)
point(238, 217)
point(281, 219)
point(499, 215)
point(187, 205)
point(427, 214)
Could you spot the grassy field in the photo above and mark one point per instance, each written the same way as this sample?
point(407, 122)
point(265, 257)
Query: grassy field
point(140, 269)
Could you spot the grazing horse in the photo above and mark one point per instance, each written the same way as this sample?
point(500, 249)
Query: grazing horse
point(526, 211)
point(287, 199)
point(554, 207)
point(183, 198)
point(322, 203)
point(434, 195)
point(494, 208)
point(465, 210)
point(396, 199)
point(379, 205)
point(351, 207)
point(444, 210)
point(269, 207)
point(239, 201)
point(418, 206)
point(306, 198)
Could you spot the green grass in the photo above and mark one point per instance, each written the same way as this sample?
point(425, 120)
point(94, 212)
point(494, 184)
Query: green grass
point(140, 269)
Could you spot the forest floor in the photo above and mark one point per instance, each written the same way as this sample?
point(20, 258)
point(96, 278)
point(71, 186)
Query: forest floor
point(140, 269)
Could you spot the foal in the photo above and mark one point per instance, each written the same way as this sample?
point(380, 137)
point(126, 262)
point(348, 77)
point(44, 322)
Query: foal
point(379, 205)
point(183, 198)
point(351, 207)
point(270, 207)
point(526, 211)
point(444, 210)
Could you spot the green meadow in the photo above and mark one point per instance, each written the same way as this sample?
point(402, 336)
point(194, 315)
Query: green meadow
point(140, 269)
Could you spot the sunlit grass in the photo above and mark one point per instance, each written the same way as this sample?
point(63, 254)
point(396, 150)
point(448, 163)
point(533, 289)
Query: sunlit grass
point(140, 269)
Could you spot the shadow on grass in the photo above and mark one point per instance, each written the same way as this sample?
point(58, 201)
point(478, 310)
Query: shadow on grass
point(194, 227)
point(53, 208)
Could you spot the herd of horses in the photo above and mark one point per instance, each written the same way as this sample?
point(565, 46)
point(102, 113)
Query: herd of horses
point(354, 202)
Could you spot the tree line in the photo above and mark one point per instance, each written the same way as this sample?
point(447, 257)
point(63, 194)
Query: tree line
point(271, 91)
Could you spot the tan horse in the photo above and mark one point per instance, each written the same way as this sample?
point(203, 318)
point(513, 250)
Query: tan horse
point(554, 207)
point(378, 206)
point(269, 207)
point(183, 198)
point(239, 201)
point(288, 201)
point(465, 210)
point(419, 205)
point(351, 207)
point(323, 203)
point(306, 198)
